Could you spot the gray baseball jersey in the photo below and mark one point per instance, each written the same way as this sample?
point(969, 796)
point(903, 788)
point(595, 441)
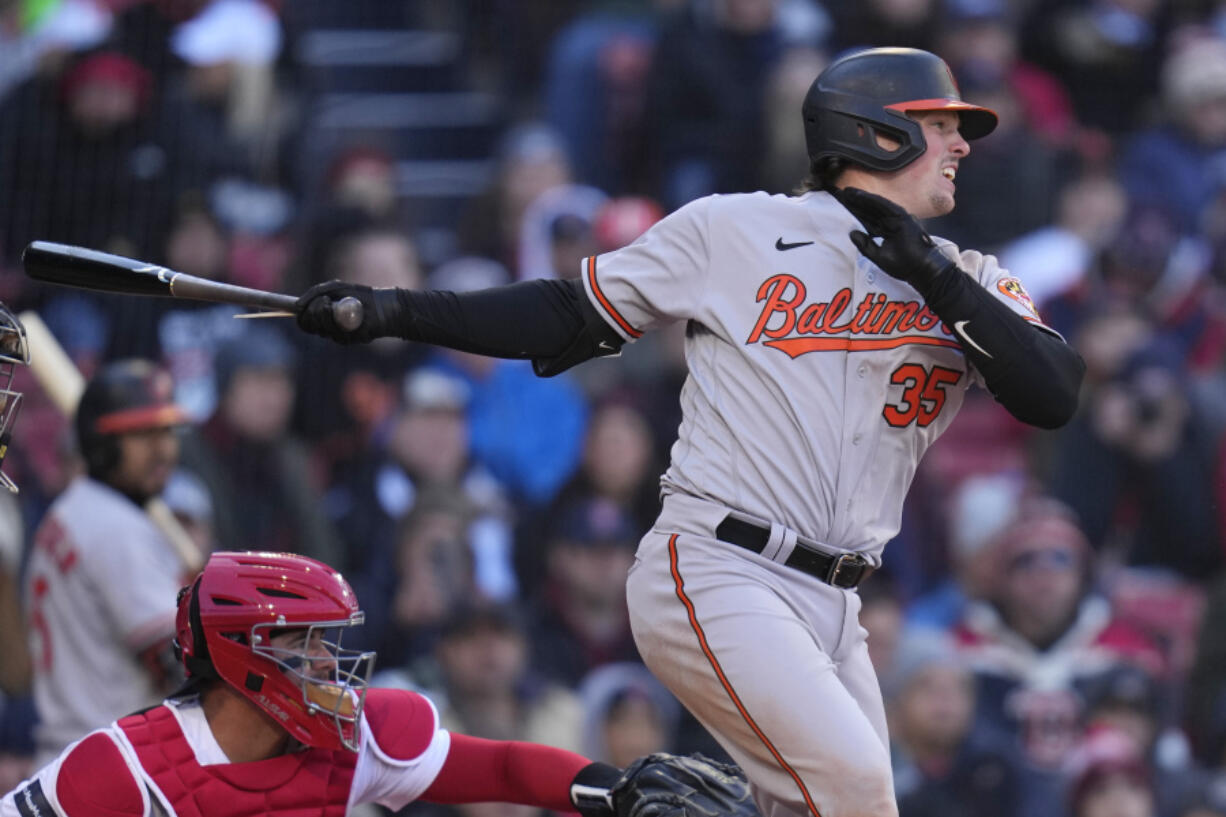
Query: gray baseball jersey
point(816, 382)
point(100, 588)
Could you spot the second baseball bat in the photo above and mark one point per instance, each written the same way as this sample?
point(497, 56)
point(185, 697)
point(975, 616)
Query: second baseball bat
point(104, 272)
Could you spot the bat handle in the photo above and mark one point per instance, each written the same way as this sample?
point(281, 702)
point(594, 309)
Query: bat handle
point(347, 312)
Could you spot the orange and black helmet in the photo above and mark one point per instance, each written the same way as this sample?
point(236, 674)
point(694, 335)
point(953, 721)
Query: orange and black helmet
point(869, 92)
point(123, 397)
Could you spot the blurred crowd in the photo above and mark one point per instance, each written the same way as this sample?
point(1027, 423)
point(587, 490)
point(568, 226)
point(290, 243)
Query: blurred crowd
point(1050, 626)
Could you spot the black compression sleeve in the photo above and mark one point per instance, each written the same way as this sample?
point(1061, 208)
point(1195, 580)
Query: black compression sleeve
point(542, 320)
point(522, 320)
point(1031, 372)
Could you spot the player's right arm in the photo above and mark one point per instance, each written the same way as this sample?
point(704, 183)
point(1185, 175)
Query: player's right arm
point(92, 777)
point(556, 324)
point(548, 321)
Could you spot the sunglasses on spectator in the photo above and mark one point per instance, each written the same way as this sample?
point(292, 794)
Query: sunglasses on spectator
point(1036, 559)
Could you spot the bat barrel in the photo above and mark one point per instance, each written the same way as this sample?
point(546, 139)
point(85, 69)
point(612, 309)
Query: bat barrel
point(91, 269)
point(102, 272)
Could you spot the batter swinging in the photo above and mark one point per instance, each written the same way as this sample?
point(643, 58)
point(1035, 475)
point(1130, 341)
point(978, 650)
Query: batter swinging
point(830, 341)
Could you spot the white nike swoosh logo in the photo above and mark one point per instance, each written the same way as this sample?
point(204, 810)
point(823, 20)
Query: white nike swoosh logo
point(604, 344)
point(960, 328)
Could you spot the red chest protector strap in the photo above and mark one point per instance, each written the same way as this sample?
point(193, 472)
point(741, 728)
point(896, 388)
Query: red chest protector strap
point(312, 783)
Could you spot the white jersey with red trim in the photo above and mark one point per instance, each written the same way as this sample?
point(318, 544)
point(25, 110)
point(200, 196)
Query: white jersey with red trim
point(816, 381)
point(100, 588)
point(380, 775)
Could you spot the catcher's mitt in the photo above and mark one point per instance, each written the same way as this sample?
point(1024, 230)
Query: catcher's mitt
point(664, 785)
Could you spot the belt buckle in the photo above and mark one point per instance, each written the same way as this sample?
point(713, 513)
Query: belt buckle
point(845, 562)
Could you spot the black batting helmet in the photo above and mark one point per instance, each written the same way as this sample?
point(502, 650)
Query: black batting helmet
point(869, 92)
point(122, 397)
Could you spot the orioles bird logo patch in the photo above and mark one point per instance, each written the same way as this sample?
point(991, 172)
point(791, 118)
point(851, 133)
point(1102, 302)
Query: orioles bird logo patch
point(1014, 289)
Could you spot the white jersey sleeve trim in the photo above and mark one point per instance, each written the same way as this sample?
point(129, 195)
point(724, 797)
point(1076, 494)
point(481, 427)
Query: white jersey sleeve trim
point(393, 782)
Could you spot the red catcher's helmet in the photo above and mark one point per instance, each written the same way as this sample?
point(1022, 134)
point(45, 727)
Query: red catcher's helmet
point(870, 92)
point(240, 603)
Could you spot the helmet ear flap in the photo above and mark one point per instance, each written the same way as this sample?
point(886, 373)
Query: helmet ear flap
point(851, 131)
point(197, 662)
point(200, 647)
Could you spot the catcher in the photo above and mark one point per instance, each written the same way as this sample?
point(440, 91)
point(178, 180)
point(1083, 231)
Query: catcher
point(276, 718)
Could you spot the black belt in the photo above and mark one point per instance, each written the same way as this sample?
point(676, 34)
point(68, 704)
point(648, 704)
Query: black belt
point(841, 570)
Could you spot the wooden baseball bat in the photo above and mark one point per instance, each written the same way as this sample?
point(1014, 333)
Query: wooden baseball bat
point(103, 272)
point(63, 383)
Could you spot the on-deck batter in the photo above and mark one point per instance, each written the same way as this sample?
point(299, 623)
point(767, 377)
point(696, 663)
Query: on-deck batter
point(822, 364)
point(101, 580)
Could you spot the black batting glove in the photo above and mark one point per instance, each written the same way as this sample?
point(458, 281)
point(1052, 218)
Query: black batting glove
point(906, 251)
point(381, 311)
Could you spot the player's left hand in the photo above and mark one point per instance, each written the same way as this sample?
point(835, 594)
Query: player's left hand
point(906, 250)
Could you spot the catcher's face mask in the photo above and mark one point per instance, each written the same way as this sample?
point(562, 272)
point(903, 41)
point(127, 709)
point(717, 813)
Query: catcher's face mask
point(269, 625)
point(333, 680)
point(14, 350)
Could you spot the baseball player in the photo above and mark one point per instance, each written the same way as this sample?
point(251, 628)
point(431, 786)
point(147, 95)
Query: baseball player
point(101, 578)
point(830, 341)
point(277, 719)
